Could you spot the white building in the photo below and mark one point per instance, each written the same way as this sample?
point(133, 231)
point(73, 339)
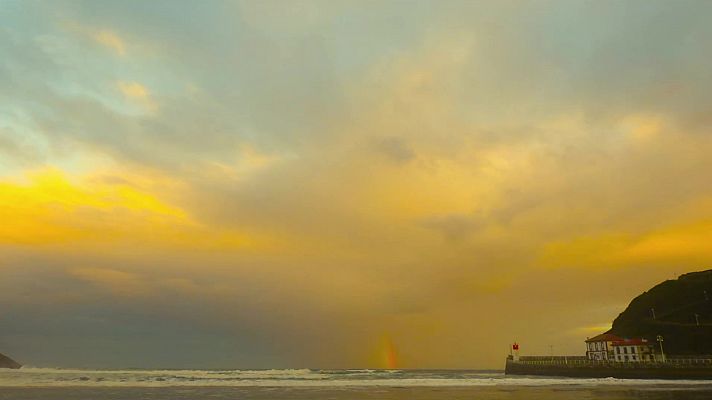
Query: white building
point(633, 350)
point(600, 348)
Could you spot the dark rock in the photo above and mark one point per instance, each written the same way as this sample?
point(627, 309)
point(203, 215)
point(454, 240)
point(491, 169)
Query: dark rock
point(683, 315)
point(7, 362)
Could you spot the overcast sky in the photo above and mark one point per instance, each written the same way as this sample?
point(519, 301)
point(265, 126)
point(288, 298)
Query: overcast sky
point(344, 184)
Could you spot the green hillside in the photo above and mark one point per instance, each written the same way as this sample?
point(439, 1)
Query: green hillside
point(682, 315)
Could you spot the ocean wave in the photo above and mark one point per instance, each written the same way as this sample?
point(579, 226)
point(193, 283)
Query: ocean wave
point(52, 377)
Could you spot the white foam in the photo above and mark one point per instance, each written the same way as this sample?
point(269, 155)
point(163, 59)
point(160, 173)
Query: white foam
point(53, 377)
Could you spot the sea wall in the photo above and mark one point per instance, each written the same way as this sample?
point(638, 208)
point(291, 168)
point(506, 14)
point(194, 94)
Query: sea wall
point(577, 368)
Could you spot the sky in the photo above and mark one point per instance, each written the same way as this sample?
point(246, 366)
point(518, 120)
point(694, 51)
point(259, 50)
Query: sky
point(344, 184)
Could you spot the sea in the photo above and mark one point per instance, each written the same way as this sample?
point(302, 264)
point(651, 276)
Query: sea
point(311, 384)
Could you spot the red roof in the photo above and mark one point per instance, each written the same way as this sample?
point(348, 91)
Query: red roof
point(631, 342)
point(604, 337)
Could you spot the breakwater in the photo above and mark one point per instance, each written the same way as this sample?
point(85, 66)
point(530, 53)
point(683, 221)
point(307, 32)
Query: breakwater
point(581, 367)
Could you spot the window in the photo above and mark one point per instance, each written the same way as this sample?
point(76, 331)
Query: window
point(632, 350)
point(626, 358)
point(625, 351)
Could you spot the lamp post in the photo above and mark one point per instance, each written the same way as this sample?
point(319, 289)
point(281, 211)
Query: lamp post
point(662, 353)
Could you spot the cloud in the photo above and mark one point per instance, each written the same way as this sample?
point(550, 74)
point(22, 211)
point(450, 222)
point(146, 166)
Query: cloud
point(642, 128)
point(14, 148)
point(591, 330)
point(46, 207)
point(133, 90)
point(297, 181)
point(110, 40)
point(120, 283)
point(397, 149)
point(454, 227)
point(137, 93)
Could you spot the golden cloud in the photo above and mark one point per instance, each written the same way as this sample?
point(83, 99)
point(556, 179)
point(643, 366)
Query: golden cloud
point(47, 207)
point(137, 94)
point(110, 40)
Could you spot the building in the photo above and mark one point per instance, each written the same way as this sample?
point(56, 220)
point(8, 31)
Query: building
point(633, 350)
point(600, 348)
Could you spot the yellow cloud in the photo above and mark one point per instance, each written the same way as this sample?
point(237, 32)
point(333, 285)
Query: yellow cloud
point(642, 127)
point(48, 208)
point(689, 242)
point(679, 243)
point(248, 161)
point(51, 208)
point(110, 40)
point(590, 330)
point(133, 90)
point(137, 93)
point(489, 285)
point(117, 282)
point(584, 251)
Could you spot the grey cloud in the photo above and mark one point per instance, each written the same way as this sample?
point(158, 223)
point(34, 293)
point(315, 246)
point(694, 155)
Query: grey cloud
point(14, 149)
point(454, 227)
point(397, 149)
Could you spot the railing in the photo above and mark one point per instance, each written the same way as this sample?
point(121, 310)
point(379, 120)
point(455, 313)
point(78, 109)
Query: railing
point(583, 361)
point(552, 358)
point(689, 360)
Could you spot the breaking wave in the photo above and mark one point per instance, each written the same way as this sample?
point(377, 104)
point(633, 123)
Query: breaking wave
point(56, 377)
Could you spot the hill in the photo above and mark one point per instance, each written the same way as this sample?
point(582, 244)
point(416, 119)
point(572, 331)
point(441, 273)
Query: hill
point(680, 310)
point(7, 362)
